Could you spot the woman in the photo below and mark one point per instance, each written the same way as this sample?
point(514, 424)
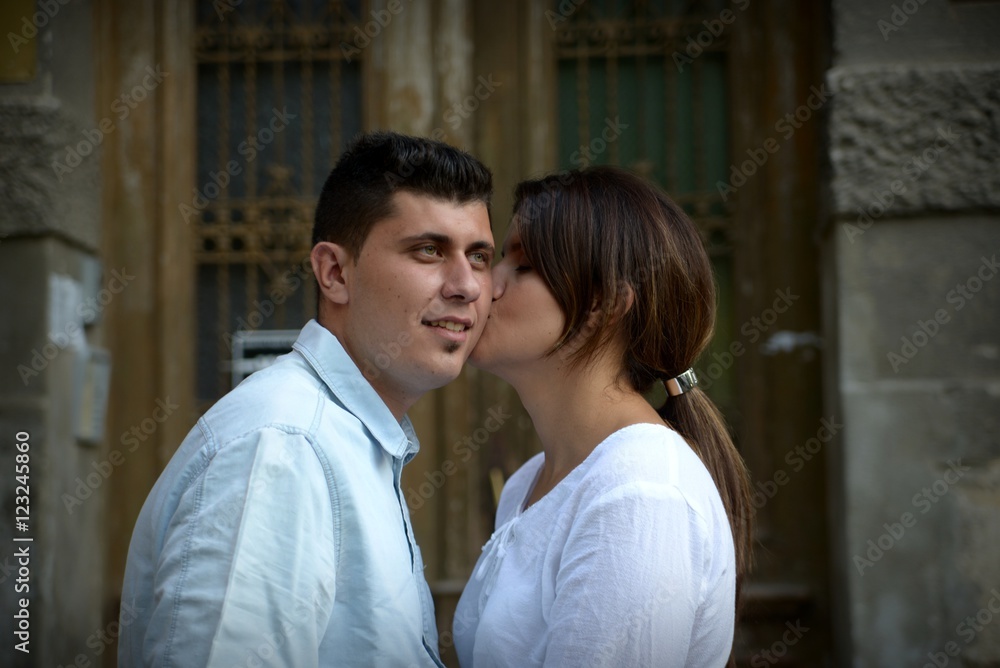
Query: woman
point(623, 543)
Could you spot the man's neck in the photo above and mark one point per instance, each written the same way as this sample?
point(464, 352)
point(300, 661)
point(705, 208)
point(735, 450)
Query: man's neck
point(397, 402)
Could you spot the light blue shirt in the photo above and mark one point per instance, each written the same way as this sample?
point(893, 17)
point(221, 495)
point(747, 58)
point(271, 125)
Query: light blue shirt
point(278, 534)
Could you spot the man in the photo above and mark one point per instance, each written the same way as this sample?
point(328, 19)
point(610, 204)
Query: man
point(278, 534)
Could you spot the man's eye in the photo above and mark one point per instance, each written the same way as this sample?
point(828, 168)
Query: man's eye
point(429, 250)
point(480, 257)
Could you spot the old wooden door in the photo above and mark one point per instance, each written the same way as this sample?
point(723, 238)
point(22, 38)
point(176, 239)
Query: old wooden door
point(722, 104)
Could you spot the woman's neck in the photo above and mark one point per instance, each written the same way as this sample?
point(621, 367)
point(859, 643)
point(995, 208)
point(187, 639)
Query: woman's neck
point(574, 410)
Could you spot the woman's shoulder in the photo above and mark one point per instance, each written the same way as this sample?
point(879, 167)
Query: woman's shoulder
point(645, 446)
point(650, 456)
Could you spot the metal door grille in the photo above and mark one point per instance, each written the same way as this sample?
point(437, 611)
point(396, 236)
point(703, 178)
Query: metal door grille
point(658, 67)
point(278, 95)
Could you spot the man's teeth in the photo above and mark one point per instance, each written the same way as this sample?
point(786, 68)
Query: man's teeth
point(447, 324)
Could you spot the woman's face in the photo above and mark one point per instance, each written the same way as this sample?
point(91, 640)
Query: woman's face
point(525, 320)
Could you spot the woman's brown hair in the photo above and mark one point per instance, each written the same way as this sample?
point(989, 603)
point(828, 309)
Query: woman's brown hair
point(603, 236)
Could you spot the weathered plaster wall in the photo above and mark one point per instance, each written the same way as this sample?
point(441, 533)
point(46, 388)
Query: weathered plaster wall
point(49, 235)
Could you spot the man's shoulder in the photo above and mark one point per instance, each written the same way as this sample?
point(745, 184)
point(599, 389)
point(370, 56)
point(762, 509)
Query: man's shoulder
point(287, 395)
point(290, 397)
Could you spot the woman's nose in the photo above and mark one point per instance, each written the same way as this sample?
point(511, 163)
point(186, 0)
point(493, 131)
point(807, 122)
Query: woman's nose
point(499, 280)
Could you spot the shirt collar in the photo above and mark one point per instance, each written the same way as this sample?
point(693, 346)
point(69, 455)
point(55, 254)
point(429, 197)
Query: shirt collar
point(326, 355)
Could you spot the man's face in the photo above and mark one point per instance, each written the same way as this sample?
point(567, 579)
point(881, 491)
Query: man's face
point(418, 296)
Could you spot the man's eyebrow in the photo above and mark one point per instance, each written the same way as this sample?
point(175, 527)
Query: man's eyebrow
point(444, 240)
point(483, 245)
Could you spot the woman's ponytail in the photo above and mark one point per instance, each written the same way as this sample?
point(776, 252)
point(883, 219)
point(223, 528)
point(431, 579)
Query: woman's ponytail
point(695, 417)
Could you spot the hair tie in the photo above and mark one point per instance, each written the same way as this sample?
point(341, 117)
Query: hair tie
point(682, 383)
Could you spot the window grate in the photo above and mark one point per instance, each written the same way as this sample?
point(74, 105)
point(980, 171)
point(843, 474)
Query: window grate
point(278, 96)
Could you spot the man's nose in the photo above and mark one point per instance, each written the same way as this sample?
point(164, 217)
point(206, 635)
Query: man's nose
point(462, 282)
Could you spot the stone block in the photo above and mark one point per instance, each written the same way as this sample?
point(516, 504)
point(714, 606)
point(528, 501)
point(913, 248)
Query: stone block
point(914, 31)
point(920, 299)
point(920, 482)
point(907, 139)
point(42, 190)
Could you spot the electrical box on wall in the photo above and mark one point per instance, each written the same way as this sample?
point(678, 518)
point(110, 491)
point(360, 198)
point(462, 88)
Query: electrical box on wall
point(73, 311)
point(256, 350)
point(91, 386)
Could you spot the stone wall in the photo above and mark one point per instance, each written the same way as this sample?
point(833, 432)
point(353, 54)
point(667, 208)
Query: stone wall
point(49, 268)
point(912, 305)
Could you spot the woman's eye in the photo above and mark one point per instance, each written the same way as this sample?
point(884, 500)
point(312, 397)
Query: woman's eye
point(522, 268)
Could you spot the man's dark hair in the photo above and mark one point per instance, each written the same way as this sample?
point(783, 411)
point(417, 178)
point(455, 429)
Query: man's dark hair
point(376, 165)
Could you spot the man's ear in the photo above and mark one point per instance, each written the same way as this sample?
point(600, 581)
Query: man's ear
point(332, 265)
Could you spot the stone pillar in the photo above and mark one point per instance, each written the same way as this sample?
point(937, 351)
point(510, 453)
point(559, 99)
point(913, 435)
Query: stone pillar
point(53, 373)
point(912, 298)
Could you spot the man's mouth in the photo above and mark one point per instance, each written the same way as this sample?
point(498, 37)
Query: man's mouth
point(450, 325)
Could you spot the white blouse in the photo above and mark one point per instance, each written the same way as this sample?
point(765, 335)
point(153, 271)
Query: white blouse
point(628, 561)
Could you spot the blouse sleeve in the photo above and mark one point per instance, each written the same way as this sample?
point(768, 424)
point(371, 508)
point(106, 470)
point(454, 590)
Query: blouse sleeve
point(630, 580)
